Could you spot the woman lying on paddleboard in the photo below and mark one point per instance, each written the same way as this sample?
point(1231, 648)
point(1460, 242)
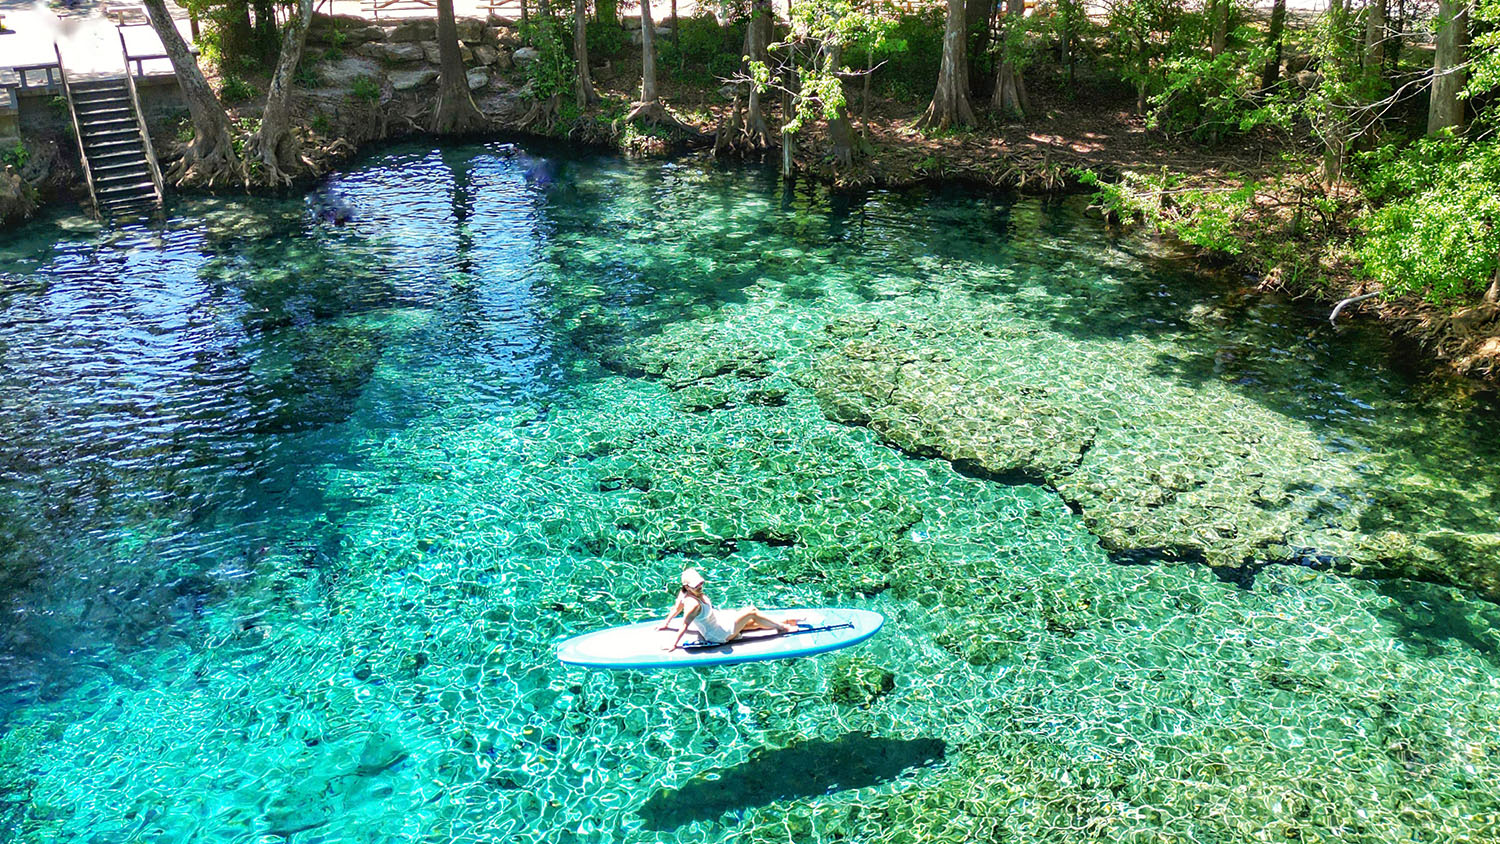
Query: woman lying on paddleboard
point(714, 625)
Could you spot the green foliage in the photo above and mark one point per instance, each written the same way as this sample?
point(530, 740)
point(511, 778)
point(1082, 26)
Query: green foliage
point(307, 76)
point(1209, 98)
point(16, 156)
point(913, 53)
point(704, 50)
point(1437, 233)
point(236, 90)
point(365, 88)
point(606, 39)
point(321, 124)
point(1202, 217)
point(554, 71)
point(1484, 57)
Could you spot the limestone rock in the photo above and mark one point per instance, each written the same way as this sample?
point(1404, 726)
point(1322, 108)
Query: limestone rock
point(477, 78)
point(342, 73)
point(407, 80)
point(392, 52)
point(485, 55)
point(503, 59)
point(413, 29)
point(470, 30)
point(433, 53)
point(351, 30)
point(526, 55)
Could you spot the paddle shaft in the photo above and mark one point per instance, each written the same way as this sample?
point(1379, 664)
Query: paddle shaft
point(703, 644)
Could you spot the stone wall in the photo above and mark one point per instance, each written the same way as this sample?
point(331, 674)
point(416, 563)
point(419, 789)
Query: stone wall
point(403, 55)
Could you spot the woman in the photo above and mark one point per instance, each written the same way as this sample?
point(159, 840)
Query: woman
point(714, 625)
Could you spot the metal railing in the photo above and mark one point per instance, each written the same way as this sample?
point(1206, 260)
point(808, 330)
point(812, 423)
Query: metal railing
point(140, 121)
point(83, 156)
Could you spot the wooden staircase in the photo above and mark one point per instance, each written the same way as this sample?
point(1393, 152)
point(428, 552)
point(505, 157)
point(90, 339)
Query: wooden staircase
point(118, 160)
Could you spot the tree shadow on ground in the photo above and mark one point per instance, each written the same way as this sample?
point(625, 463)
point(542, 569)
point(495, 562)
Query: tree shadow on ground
point(799, 772)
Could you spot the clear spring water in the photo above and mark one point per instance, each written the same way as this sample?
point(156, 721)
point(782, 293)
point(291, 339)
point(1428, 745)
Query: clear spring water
point(292, 513)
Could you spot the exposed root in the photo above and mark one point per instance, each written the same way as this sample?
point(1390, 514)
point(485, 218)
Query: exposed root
point(542, 115)
point(653, 113)
point(207, 162)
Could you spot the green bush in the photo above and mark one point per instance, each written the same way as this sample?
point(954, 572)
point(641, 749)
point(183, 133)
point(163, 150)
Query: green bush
point(554, 71)
point(16, 156)
point(607, 39)
point(1437, 232)
point(910, 73)
point(236, 90)
point(704, 50)
point(365, 88)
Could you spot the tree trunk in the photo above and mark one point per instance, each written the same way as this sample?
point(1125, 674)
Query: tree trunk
point(236, 33)
point(674, 23)
point(1492, 295)
point(1375, 40)
point(455, 112)
point(950, 102)
point(977, 27)
point(274, 142)
point(757, 135)
point(209, 158)
point(265, 27)
point(649, 109)
point(1271, 73)
point(1220, 10)
point(586, 95)
point(1010, 87)
point(839, 130)
point(1446, 109)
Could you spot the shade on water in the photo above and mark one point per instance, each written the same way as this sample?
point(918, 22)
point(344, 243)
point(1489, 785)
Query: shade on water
point(292, 514)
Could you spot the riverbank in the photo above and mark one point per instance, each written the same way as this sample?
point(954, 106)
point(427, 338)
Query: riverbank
point(1243, 206)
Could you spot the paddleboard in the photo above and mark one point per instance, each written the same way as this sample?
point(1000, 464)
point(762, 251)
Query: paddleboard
point(644, 646)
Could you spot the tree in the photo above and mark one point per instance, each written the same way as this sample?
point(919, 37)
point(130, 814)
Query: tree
point(1446, 109)
point(1375, 35)
point(586, 94)
point(1275, 34)
point(455, 112)
point(950, 102)
point(209, 158)
point(747, 131)
point(649, 109)
point(977, 22)
point(274, 143)
point(1010, 87)
point(1219, 11)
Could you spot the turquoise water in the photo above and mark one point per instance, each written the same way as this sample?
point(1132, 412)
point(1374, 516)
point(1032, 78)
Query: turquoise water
point(292, 514)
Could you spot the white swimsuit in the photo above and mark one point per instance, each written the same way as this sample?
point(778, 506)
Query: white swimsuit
point(712, 624)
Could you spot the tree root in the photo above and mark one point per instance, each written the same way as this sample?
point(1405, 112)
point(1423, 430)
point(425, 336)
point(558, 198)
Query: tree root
point(653, 113)
point(542, 115)
point(206, 162)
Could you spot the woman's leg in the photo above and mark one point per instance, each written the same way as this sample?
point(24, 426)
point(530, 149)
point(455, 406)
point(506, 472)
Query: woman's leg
point(753, 620)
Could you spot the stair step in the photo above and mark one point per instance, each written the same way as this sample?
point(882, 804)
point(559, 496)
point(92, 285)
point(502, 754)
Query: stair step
point(110, 123)
point(130, 178)
point(136, 163)
point(90, 133)
point(113, 83)
point(104, 110)
point(114, 144)
point(133, 189)
point(117, 158)
point(94, 98)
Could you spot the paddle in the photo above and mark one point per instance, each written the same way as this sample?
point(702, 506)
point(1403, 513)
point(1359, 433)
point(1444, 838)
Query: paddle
point(702, 645)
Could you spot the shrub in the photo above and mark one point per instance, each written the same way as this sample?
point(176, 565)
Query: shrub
point(911, 73)
point(234, 89)
point(606, 39)
point(16, 156)
point(704, 49)
point(307, 76)
point(554, 71)
point(1437, 235)
point(365, 88)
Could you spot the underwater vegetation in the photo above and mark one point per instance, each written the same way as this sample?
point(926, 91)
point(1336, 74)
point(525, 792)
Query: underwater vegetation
point(304, 586)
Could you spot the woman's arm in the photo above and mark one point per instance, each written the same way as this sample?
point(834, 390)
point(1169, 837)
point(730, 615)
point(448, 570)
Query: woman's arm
point(687, 618)
point(676, 608)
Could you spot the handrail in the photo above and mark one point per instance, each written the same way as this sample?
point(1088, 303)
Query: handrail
point(83, 156)
point(140, 121)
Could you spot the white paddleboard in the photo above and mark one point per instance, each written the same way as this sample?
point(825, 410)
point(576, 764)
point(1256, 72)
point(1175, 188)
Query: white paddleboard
point(644, 646)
